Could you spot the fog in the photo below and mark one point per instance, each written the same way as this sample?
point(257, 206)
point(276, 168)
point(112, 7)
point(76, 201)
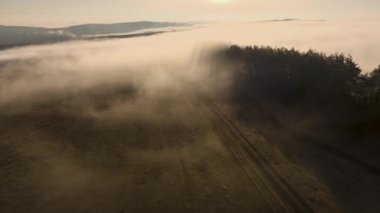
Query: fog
point(86, 93)
point(107, 78)
point(155, 61)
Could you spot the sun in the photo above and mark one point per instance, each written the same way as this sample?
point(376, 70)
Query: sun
point(220, 1)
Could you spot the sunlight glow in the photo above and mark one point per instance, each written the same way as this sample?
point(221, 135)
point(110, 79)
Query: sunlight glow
point(221, 1)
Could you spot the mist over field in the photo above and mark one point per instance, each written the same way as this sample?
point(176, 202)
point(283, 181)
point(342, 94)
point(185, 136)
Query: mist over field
point(97, 125)
point(151, 64)
point(357, 38)
point(35, 73)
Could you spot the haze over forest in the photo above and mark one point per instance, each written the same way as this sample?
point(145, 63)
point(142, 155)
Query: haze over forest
point(211, 106)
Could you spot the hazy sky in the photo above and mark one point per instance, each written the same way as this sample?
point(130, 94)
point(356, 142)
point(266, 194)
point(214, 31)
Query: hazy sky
point(67, 12)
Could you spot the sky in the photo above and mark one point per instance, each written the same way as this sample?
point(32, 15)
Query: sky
point(58, 13)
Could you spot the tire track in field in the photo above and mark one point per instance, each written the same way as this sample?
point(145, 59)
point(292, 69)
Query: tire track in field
point(281, 196)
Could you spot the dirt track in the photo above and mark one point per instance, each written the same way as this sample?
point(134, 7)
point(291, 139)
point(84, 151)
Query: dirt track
point(185, 156)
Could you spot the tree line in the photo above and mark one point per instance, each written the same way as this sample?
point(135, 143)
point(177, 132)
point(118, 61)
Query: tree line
point(312, 82)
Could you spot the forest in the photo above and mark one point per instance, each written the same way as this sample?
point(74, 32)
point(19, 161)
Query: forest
point(325, 99)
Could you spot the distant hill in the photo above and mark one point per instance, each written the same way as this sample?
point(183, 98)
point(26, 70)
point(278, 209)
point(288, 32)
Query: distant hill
point(96, 29)
point(20, 35)
point(287, 20)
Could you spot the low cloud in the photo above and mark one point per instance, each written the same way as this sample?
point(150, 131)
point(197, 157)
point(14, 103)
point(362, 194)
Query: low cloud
point(63, 104)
